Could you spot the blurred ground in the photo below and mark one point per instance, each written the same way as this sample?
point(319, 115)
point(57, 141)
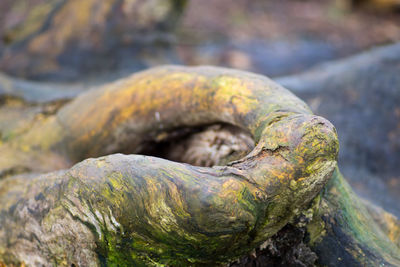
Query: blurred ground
point(279, 37)
point(74, 40)
point(70, 41)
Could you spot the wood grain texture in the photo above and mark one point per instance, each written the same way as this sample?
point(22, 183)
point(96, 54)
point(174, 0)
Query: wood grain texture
point(131, 209)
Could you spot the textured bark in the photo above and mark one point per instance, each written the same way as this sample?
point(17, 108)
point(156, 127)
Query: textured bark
point(144, 210)
point(360, 95)
point(131, 209)
point(344, 232)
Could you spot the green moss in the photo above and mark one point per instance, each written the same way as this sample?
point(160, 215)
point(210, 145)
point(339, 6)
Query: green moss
point(340, 208)
point(316, 227)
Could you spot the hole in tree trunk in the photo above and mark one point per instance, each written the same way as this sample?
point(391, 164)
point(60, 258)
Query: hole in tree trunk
point(204, 146)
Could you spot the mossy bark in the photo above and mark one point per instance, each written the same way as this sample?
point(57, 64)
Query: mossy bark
point(344, 232)
point(353, 93)
point(131, 209)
